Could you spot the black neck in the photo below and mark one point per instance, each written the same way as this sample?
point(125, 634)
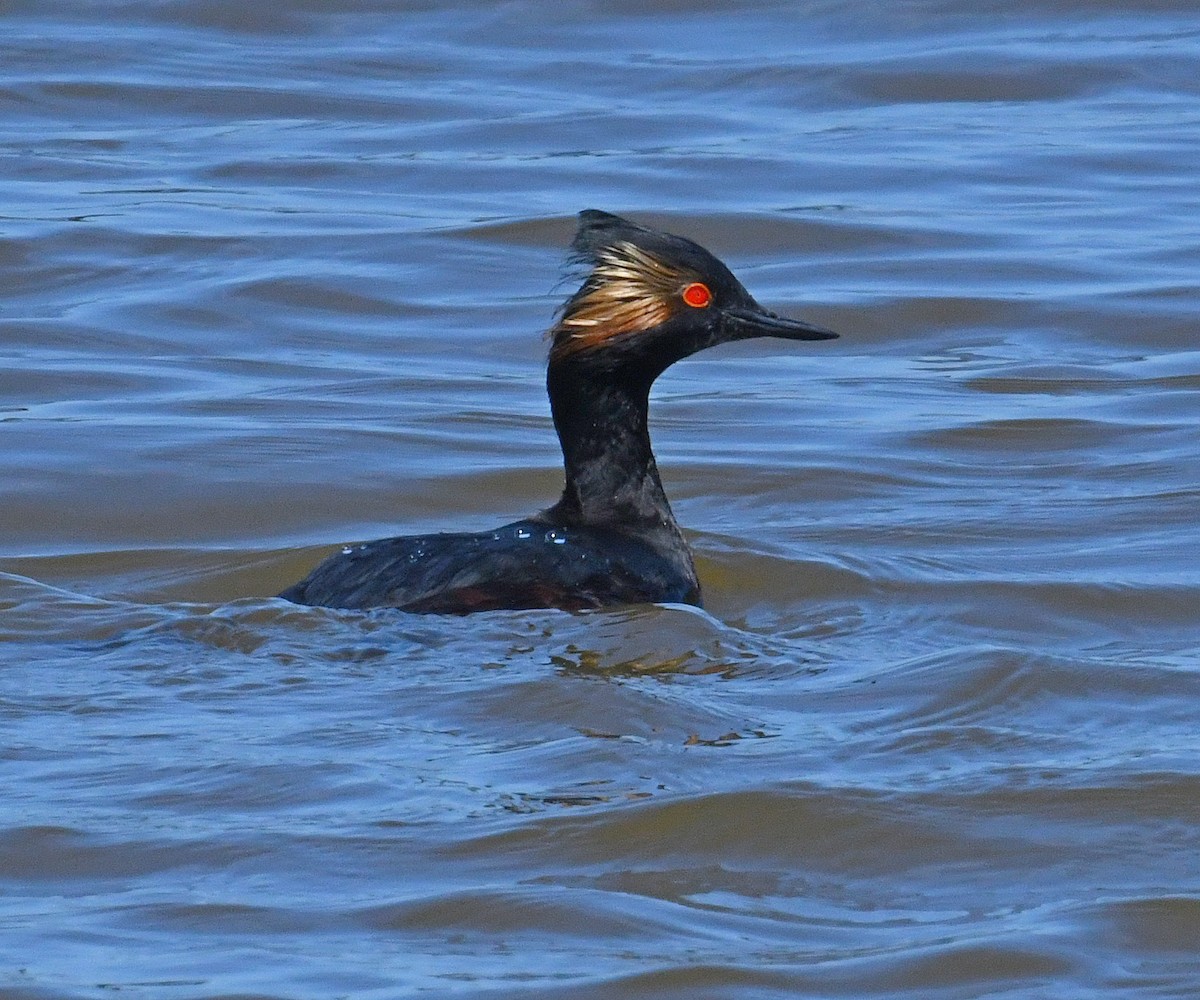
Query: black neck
point(611, 478)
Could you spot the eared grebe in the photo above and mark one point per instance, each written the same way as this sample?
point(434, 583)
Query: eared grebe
point(650, 299)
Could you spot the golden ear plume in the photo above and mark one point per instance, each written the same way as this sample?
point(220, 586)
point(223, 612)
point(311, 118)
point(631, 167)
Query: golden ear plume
point(629, 291)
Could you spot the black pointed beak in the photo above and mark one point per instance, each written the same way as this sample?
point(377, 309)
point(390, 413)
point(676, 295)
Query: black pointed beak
point(744, 322)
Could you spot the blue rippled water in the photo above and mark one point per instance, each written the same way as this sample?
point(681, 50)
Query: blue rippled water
point(275, 280)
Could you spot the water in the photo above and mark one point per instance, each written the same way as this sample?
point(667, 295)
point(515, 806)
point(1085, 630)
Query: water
point(274, 282)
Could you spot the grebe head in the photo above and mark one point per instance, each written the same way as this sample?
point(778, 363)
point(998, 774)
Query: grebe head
point(652, 298)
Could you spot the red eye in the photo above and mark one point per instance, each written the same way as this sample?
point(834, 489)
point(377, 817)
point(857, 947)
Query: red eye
point(697, 295)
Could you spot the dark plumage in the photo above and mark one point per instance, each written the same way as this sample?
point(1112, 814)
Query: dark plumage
point(649, 299)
